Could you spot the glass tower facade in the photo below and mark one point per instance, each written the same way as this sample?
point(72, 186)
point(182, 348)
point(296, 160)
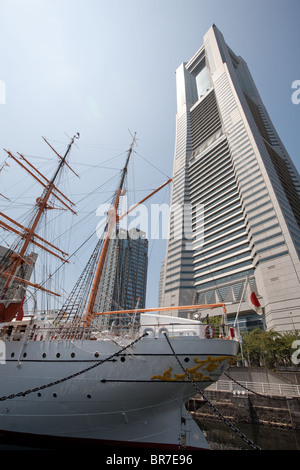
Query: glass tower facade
point(124, 278)
point(230, 162)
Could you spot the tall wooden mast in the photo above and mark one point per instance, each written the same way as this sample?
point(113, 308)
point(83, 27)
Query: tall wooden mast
point(112, 219)
point(18, 258)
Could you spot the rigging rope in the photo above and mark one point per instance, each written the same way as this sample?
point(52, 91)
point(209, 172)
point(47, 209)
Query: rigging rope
point(228, 423)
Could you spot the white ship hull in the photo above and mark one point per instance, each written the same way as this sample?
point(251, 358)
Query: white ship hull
point(135, 398)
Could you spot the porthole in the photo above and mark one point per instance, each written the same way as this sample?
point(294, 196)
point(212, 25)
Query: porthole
point(58, 355)
point(25, 354)
point(44, 355)
point(54, 395)
point(96, 354)
point(122, 359)
point(89, 396)
point(39, 394)
point(12, 354)
point(73, 355)
point(186, 359)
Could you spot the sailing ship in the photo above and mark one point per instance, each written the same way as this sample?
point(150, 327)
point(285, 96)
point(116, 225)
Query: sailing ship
point(77, 374)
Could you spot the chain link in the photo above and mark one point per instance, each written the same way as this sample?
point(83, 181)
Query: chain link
point(228, 423)
point(76, 374)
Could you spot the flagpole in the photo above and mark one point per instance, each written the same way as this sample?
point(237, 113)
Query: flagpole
point(237, 315)
point(240, 304)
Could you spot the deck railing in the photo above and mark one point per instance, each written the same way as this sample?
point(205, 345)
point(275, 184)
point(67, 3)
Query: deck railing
point(46, 330)
point(177, 329)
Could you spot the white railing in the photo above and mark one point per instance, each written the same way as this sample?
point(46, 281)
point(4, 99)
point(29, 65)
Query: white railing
point(176, 330)
point(177, 326)
point(287, 390)
point(156, 326)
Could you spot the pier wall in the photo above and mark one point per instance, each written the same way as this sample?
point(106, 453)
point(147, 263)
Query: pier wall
point(273, 411)
point(251, 408)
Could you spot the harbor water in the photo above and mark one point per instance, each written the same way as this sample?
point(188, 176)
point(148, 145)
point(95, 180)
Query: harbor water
point(221, 437)
point(217, 433)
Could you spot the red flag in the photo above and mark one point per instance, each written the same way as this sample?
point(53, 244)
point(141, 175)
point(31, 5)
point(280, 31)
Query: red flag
point(254, 300)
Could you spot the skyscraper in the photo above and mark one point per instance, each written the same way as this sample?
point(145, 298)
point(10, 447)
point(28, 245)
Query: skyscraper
point(124, 278)
point(231, 167)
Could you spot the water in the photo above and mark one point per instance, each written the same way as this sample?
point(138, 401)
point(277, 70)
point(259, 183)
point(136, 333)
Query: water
point(221, 437)
point(217, 433)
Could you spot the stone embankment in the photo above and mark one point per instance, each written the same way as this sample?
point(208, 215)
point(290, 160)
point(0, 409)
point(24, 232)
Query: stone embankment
point(243, 406)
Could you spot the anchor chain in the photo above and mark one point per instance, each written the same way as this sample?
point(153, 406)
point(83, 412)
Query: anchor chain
point(216, 411)
point(76, 374)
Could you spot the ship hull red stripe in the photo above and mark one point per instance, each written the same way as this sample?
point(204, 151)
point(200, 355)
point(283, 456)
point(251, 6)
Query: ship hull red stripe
point(48, 441)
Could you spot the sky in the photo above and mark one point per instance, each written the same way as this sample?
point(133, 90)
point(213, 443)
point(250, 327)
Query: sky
point(104, 67)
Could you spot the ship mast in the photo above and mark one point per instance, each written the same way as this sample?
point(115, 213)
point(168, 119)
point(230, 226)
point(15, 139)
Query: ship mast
point(30, 232)
point(1, 168)
point(112, 218)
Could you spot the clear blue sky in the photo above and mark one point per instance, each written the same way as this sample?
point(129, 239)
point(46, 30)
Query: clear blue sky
point(102, 66)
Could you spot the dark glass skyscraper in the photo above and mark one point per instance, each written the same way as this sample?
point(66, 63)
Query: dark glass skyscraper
point(124, 278)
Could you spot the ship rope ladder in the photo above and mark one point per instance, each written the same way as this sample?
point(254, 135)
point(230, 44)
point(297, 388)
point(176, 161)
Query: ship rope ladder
point(74, 305)
point(215, 410)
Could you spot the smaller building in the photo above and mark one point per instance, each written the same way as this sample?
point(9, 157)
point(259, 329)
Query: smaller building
point(124, 278)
